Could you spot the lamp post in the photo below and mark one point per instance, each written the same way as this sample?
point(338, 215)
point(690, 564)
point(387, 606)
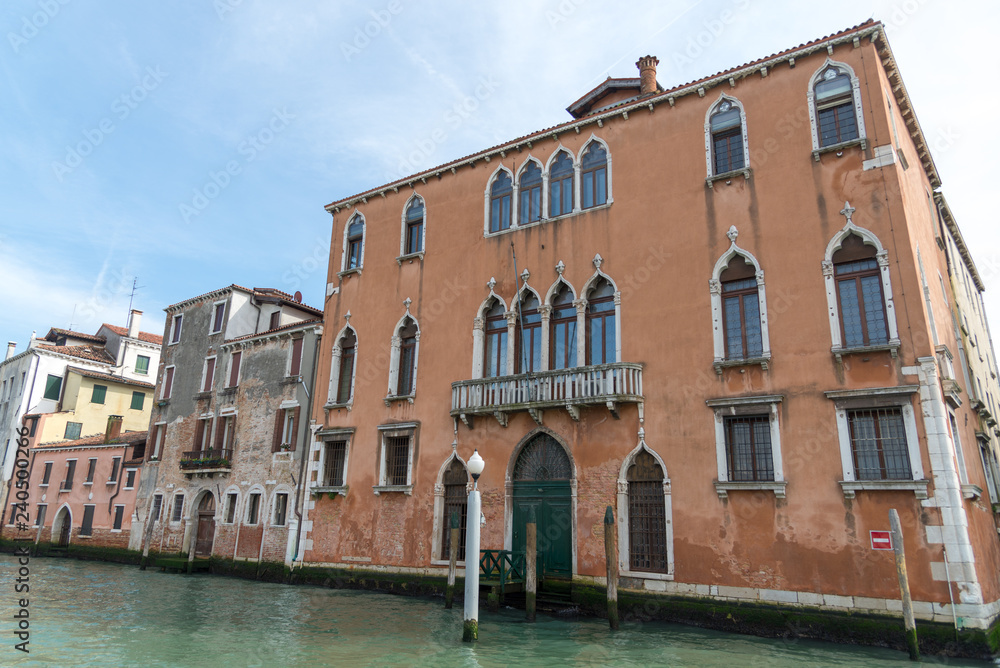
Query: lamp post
point(470, 625)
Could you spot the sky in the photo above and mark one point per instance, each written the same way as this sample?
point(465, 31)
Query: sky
point(183, 146)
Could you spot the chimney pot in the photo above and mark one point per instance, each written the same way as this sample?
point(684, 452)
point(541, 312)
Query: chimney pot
point(114, 428)
point(133, 323)
point(647, 74)
point(11, 346)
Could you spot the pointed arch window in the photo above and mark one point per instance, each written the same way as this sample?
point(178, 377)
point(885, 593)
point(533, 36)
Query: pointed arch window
point(601, 325)
point(495, 350)
point(594, 176)
point(727, 138)
point(561, 185)
point(859, 294)
point(562, 328)
point(354, 243)
point(454, 481)
point(414, 232)
point(407, 357)
point(530, 195)
point(835, 112)
point(528, 334)
point(500, 202)
point(647, 525)
point(741, 310)
point(345, 377)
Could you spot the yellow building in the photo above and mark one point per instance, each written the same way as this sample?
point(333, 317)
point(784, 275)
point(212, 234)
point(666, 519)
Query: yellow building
point(88, 399)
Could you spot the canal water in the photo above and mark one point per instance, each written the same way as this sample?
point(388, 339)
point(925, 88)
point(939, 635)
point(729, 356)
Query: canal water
point(96, 614)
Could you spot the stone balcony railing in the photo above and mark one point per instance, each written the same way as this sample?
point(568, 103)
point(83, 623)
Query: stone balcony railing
point(569, 389)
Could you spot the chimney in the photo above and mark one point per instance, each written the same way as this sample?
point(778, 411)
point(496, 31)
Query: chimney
point(133, 323)
point(114, 428)
point(647, 74)
point(11, 346)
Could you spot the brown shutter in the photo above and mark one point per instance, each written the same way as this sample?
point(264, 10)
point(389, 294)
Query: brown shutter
point(296, 357)
point(219, 433)
point(168, 383)
point(278, 420)
point(199, 430)
point(209, 374)
point(234, 372)
point(294, 438)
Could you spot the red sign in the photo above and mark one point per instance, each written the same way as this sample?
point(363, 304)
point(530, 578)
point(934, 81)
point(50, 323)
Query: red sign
point(881, 540)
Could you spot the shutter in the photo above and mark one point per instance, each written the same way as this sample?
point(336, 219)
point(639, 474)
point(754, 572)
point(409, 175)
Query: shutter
point(209, 374)
point(278, 423)
point(220, 434)
point(296, 357)
point(167, 383)
point(293, 438)
point(199, 431)
point(234, 372)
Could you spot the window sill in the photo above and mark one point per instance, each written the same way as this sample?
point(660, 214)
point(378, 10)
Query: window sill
point(644, 575)
point(291, 380)
point(514, 227)
point(43, 484)
point(111, 482)
point(383, 489)
point(330, 489)
point(918, 487)
point(348, 272)
point(721, 364)
point(228, 391)
point(116, 531)
point(840, 147)
point(447, 562)
point(163, 402)
point(204, 394)
point(970, 492)
point(410, 257)
point(892, 347)
point(746, 173)
point(778, 487)
point(89, 482)
point(398, 397)
point(335, 406)
point(84, 535)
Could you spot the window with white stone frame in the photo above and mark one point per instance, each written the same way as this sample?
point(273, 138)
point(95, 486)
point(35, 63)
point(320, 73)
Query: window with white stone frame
point(859, 291)
point(835, 114)
point(397, 449)
point(413, 229)
point(330, 458)
point(405, 347)
point(726, 150)
point(748, 444)
point(450, 497)
point(353, 257)
point(739, 309)
point(645, 516)
point(877, 434)
point(342, 368)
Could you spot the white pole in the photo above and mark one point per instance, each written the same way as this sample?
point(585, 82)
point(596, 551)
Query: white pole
point(470, 627)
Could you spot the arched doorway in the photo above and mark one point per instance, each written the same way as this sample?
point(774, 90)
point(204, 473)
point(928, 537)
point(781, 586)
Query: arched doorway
point(542, 480)
point(61, 527)
point(206, 526)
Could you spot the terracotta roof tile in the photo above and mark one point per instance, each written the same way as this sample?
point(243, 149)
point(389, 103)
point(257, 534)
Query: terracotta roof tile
point(126, 438)
point(143, 336)
point(303, 323)
point(91, 353)
point(111, 379)
point(55, 333)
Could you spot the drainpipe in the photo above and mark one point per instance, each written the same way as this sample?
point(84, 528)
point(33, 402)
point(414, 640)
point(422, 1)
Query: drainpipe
point(118, 483)
point(300, 488)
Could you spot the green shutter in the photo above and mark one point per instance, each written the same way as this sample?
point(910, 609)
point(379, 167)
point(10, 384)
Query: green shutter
point(52, 386)
point(142, 364)
point(99, 393)
point(137, 400)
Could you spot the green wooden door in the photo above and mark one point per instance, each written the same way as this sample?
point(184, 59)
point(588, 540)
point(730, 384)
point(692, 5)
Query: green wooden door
point(542, 476)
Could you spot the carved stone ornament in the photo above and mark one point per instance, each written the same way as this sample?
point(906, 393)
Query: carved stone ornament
point(525, 275)
point(491, 284)
point(560, 268)
point(847, 212)
point(598, 261)
point(733, 233)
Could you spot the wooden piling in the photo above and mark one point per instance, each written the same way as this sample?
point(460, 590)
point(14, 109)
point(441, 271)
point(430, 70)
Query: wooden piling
point(531, 565)
point(904, 586)
point(449, 593)
point(611, 559)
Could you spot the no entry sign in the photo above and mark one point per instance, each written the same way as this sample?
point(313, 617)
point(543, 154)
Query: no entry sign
point(881, 540)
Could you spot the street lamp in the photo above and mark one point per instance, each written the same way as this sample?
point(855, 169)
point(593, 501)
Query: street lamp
point(470, 625)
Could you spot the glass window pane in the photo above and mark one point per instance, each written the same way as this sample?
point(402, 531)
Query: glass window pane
point(751, 314)
point(871, 292)
point(850, 313)
point(734, 332)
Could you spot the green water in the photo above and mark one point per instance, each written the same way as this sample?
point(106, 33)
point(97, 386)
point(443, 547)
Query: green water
point(95, 614)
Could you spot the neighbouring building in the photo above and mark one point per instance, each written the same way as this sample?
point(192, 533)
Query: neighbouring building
point(65, 385)
point(82, 491)
point(722, 321)
point(230, 425)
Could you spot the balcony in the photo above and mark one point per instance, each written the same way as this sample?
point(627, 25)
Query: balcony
point(207, 462)
point(569, 389)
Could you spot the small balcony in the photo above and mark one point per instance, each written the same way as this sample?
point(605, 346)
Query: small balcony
point(570, 389)
point(207, 462)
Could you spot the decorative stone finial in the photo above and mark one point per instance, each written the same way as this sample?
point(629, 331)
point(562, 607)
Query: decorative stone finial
point(733, 233)
point(598, 261)
point(847, 212)
point(491, 284)
point(525, 275)
point(347, 317)
point(560, 268)
point(406, 303)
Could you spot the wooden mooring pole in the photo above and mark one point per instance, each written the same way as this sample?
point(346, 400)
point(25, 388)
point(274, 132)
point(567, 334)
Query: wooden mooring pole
point(531, 565)
point(611, 558)
point(449, 593)
point(904, 586)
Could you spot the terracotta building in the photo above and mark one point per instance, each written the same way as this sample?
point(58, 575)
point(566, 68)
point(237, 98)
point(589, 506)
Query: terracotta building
point(230, 425)
point(704, 306)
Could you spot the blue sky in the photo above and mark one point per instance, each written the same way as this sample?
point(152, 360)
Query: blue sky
point(194, 144)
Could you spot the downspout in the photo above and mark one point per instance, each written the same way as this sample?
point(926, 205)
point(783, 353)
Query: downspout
point(118, 483)
point(300, 488)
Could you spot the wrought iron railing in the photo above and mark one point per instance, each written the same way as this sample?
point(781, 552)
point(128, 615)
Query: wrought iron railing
point(595, 384)
point(216, 458)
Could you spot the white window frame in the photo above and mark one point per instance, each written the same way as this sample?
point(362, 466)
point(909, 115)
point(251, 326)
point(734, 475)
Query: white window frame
point(229, 368)
point(900, 397)
point(545, 310)
point(113, 511)
point(859, 115)
point(335, 361)
point(585, 290)
point(546, 195)
point(394, 355)
point(578, 171)
point(159, 436)
point(624, 556)
point(225, 415)
point(364, 239)
point(318, 460)
point(718, 319)
point(261, 495)
point(152, 505)
point(487, 198)
point(174, 509)
point(274, 507)
point(749, 407)
point(204, 374)
point(515, 204)
point(406, 429)
point(403, 255)
point(90, 481)
point(833, 306)
point(215, 308)
point(176, 329)
point(51, 465)
point(235, 491)
point(38, 513)
point(116, 469)
point(710, 145)
point(127, 470)
point(163, 386)
point(439, 519)
point(479, 332)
